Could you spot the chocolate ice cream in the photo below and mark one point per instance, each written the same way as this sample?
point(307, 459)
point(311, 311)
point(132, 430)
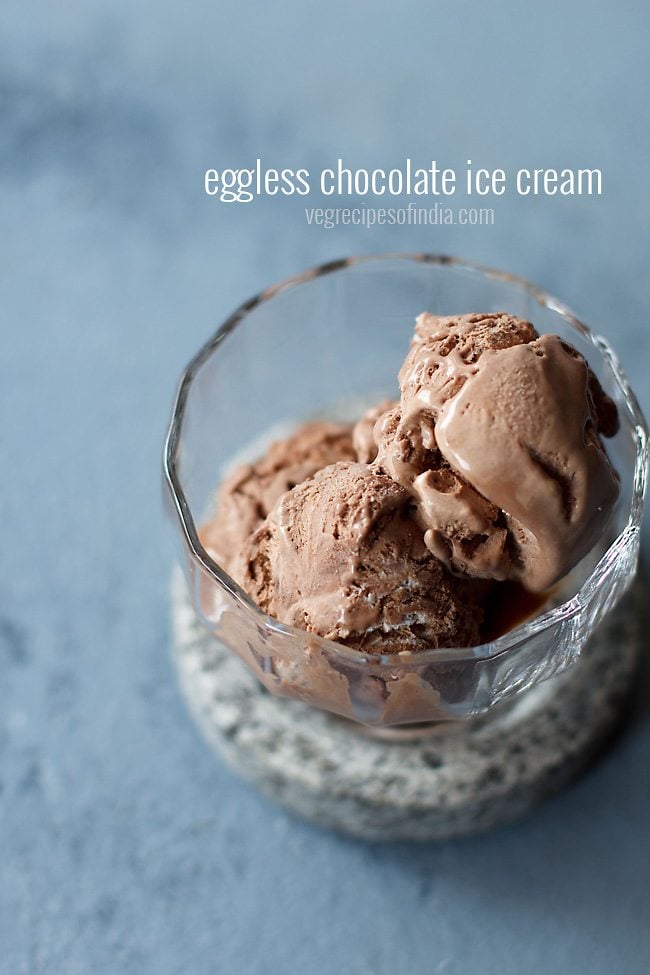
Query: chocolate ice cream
point(406, 532)
point(497, 437)
point(247, 495)
point(340, 555)
point(363, 435)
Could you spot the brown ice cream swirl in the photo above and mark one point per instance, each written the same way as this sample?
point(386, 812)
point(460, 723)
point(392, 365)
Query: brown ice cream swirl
point(249, 492)
point(522, 431)
point(341, 556)
point(482, 393)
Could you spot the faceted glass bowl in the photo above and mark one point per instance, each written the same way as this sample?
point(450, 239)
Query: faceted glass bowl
point(328, 343)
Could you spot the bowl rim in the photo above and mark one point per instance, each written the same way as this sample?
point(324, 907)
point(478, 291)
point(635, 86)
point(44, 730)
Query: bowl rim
point(508, 641)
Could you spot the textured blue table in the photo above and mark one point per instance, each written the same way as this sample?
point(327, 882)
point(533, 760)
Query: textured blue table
point(126, 848)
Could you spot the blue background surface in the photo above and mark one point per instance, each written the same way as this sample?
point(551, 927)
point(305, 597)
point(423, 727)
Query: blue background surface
point(125, 846)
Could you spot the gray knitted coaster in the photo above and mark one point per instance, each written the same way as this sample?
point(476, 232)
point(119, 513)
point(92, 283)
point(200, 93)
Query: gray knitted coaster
point(463, 779)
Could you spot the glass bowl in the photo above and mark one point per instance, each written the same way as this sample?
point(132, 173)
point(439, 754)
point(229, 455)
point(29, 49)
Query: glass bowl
point(327, 343)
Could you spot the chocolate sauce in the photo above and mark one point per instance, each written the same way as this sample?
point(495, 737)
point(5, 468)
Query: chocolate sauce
point(509, 605)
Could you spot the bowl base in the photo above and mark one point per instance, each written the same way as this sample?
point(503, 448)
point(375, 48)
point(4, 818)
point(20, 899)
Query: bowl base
point(423, 784)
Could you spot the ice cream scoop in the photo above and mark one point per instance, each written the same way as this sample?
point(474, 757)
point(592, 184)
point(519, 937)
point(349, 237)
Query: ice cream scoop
point(341, 555)
point(523, 431)
point(247, 495)
point(497, 437)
